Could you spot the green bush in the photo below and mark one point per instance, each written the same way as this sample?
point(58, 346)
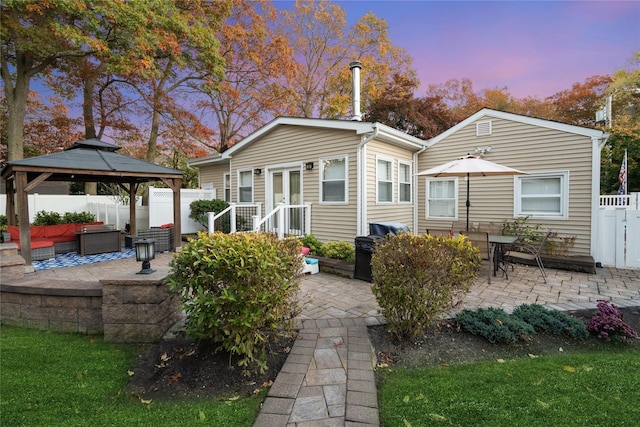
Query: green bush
point(47, 218)
point(53, 218)
point(239, 291)
point(339, 250)
point(78, 217)
point(417, 278)
point(311, 242)
point(200, 208)
point(494, 324)
point(553, 321)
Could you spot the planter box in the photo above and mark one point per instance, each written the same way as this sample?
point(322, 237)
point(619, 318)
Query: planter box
point(336, 266)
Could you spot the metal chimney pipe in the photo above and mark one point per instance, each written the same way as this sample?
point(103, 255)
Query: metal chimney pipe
point(355, 67)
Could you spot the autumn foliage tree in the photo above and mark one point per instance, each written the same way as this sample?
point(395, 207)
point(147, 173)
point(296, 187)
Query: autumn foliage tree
point(323, 47)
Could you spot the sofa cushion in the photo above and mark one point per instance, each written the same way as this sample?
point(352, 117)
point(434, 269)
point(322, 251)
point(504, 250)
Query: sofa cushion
point(14, 231)
point(37, 244)
point(37, 231)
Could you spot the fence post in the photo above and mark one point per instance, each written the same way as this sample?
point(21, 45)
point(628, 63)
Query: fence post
point(210, 223)
point(255, 220)
point(281, 221)
point(307, 218)
point(232, 219)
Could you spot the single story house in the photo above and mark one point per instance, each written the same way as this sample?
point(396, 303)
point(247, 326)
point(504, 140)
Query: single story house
point(353, 173)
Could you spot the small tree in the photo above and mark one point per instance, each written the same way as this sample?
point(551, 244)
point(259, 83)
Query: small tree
point(416, 278)
point(239, 291)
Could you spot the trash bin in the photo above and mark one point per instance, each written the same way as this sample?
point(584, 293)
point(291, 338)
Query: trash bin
point(387, 227)
point(365, 246)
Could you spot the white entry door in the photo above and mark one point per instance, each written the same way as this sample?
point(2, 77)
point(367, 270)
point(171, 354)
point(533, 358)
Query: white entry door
point(286, 188)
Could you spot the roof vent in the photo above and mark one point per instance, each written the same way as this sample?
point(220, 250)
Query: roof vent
point(483, 128)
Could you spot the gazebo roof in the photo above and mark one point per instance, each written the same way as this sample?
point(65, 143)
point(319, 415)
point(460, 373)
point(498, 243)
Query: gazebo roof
point(91, 160)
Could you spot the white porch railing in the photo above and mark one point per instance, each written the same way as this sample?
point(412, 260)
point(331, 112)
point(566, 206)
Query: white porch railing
point(234, 218)
point(285, 220)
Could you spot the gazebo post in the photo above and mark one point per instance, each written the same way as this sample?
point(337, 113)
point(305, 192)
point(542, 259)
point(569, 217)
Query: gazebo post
point(10, 211)
point(133, 189)
point(177, 218)
point(23, 217)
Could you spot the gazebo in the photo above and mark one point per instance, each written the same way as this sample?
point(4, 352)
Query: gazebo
point(85, 161)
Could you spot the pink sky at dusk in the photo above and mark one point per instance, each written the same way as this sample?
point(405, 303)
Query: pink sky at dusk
point(534, 48)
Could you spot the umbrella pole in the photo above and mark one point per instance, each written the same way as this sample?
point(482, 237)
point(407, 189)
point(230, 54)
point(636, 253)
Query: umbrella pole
point(468, 202)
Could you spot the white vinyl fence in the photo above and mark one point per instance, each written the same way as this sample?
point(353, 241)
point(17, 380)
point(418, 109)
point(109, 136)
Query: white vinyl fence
point(161, 207)
point(110, 211)
point(618, 239)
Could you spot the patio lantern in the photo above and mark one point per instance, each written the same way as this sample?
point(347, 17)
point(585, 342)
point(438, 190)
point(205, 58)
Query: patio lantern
point(145, 252)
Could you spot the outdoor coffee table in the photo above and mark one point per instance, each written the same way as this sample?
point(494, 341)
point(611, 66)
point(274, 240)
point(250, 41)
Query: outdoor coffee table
point(92, 242)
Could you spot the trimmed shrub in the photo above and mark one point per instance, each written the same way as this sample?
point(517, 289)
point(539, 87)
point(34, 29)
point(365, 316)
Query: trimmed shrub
point(609, 324)
point(239, 291)
point(339, 250)
point(78, 217)
point(311, 242)
point(47, 218)
point(494, 324)
point(552, 321)
point(417, 278)
point(199, 213)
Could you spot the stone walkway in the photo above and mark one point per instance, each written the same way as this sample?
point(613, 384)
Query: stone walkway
point(328, 378)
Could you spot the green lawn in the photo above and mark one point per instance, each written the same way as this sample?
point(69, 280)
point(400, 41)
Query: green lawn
point(50, 379)
point(589, 389)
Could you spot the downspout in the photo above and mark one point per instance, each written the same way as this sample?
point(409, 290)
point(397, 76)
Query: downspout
point(598, 144)
point(414, 187)
point(361, 178)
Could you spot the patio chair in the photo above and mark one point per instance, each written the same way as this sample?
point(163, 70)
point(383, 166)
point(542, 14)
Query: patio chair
point(480, 240)
point(524, 251)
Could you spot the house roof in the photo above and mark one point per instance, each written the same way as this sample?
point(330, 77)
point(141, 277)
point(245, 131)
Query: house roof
point(383, 133)
point(91, 160)
point(487, 112)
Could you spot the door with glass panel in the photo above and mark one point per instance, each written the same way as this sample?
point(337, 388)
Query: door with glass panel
point(286, 189)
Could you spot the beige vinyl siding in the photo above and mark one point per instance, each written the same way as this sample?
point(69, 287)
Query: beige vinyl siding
point(214, 174)
point(532, 149)
point(295, 146)
point(394, 211)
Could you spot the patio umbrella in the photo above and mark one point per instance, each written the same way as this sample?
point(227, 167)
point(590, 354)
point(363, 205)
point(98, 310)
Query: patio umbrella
point(470, 166)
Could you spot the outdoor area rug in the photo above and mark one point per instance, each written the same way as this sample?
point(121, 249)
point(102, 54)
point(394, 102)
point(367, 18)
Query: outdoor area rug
point(72, 259)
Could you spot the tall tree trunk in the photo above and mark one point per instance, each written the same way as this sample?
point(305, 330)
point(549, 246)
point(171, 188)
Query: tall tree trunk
point(87, 106)
point(152, 144)
point(17, 109)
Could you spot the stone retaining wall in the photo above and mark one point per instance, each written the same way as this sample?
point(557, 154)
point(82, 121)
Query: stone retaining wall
point(39, 308)
point(137, 310)
point(126, 309)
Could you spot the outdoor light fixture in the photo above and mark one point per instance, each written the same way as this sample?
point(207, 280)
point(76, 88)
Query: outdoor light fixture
point(145, 252)
point(483, 150)
point(257, 171)
point(309, 165)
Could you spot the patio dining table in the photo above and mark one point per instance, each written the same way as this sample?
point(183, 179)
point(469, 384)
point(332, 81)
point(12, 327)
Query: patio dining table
point(499, 241)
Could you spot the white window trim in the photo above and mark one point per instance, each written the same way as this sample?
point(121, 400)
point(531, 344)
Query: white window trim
point(225, 188)
point(346, 180)
point(390, 161)
point(410, 182)
point(564, 195)
point(252, 185)
point(456, 202)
